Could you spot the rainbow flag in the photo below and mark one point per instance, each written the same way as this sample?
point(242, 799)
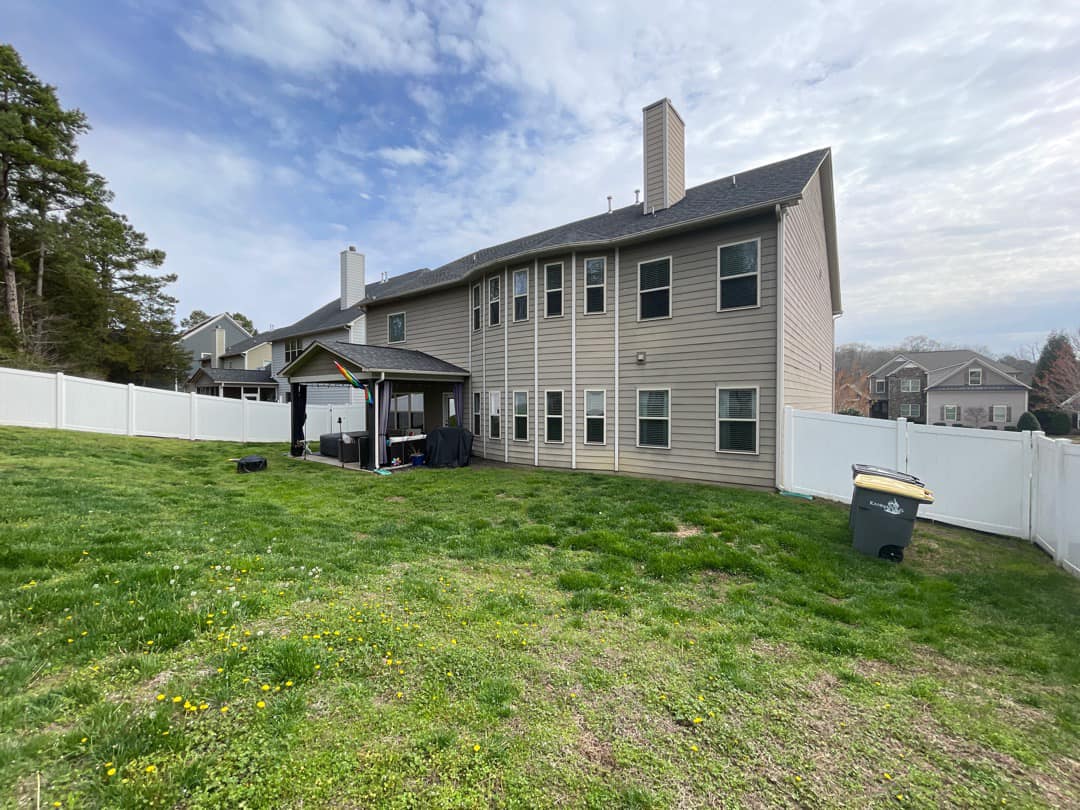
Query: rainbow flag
point(355, 383)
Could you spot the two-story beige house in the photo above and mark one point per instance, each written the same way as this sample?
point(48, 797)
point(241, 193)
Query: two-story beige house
point(662, 338)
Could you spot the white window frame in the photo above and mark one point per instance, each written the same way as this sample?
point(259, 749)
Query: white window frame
point(561, 417)
point(495, 413)
point(560, 290)
point(515, 415)
point(478, 306)
point(588, 286)
point(404, 328)
point(671, 297)
point(1004, 414)
point(879, 386)
point(449, 404)
point(497, 300)
point(978, 371)
point(394, 412)
point(756, 420)
point(515, 296)
point(757, 247)
point(945, 415)
point(478, 413)
point(907, 381)
point(293, 347)
point(914, 410)
point(602, 417)
point(637, 420)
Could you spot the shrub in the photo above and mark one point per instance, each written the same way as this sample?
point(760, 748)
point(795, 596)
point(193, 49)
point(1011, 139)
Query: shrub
point(1059, 424)
point(849, 412)
point(1027, 421)
point(1043, 418)
point(1011, 428)
point(940, 424)
point(989, 427)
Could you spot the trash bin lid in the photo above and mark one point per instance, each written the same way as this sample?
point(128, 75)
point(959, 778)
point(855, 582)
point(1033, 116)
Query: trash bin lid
point(870, 469)
point(881, 483)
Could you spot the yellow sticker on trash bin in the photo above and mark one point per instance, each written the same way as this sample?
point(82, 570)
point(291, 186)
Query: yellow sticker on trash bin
point(880, 483)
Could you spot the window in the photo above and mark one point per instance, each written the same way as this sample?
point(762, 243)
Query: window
point(911, 410)
point(493, 300)
point(553, 290)
point(553, 417)
point(654, 289)
point(449, 408)
point(879, 386)
point(737, 275)
point(974, 376)
point(595, 417)
point(951, 413)
point(521, 416)
point(736, 420)
point(476, 415)
point(407, 412)
point(999, 413)
point(595, 285)
point(654, 417)
point(293, 348)
point(494, 414)
point(909, 386)
point(395, 327)
point(521, 295)
point(477, 291)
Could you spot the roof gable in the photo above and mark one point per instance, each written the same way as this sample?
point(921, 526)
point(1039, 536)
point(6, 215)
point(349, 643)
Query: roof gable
point(957, 375)
point(210, 322)
point(372, 360)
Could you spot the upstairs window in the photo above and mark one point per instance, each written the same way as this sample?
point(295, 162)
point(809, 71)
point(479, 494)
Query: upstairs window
point(477, 417)
point(494, 415)
point(974, 376)
point(738, 280)
point(521, 295)
point(553, 417)
point(908, 386)
point(595, 417)
point(654, 417)
point(595, 286)
point(477, 292)
point(395, 327)
point(553, 274)
point(521, 416)
point(654, 289)
point(879, 386)
point(293, 348)
point(736, 420)
point(493, 301)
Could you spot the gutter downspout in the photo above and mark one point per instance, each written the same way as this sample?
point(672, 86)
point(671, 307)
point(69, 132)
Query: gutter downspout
point(779, 453)
point(382, 378)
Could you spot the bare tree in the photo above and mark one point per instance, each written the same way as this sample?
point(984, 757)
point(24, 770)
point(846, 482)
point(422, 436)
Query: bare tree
point(976, 414)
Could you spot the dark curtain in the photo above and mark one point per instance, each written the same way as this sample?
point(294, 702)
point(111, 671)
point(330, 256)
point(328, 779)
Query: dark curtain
point(384, 418)
point(299, 417)
point(458, 394)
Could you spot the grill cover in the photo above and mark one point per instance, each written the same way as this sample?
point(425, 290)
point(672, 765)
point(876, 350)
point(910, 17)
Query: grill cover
point(448, 447)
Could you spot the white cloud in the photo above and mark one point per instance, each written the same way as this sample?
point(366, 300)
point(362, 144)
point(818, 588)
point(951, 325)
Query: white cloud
point(403, 155)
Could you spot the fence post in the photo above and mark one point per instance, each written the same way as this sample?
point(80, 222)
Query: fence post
point(1061, 531)
point(243, 418)
point(60, 396)
point(787, 463)
point(131, 409)
point(901, 444)
point(193, 416)
point(1029, 493)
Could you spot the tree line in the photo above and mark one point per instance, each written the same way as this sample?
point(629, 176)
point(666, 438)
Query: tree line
point(80, 291)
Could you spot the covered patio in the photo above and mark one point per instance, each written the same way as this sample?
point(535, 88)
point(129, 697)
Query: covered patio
point(406, 394)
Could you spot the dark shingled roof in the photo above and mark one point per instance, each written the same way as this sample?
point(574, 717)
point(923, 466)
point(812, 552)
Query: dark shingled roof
point(244, 345)
point(236, 375)
point(755, 189)
point(384, 358)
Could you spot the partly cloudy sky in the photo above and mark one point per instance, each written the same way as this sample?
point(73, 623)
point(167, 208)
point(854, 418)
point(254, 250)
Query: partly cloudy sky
point(254, 140)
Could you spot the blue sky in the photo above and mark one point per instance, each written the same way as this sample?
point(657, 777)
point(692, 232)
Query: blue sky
point(253, 141)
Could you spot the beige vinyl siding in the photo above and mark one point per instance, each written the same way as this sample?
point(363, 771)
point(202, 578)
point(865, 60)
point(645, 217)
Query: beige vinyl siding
point(808, 321)
point(695, 351)
point(520, 347)
point(553, 353)
point(989, 376)
point(654, 157)
point(491, 371)
point(1016, 400)
point(676, 147)
point(435, 324)
point(595, 364)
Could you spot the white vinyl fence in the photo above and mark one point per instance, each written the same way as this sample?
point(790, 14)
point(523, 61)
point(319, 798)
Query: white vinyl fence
point(34, 399)
point(1015, 484)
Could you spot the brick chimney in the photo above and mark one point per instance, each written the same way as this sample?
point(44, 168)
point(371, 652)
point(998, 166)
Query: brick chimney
point(352, 277)
point(665, 149)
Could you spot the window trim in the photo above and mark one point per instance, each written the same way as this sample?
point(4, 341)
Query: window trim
point(561, 289)
point(494, 398)
point(497, 300)
point(756, 420)
point(587, 286)
point(478, 306)
point(637, 419)
point(945, 414)
point(296, 352)
point(916, 390)
point(404, 328)
point(561, 417)
point(586, 417)
point(757, 242)
point(909, 405)
point(1004, 414)
point(515, 296)
point(478, 413)
point(880, 386)
point(971, 371)
point(515, 415)
point(671, 298)
point(392, 422)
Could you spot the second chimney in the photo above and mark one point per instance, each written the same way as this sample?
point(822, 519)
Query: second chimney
point(665, 148)
point(352, 277)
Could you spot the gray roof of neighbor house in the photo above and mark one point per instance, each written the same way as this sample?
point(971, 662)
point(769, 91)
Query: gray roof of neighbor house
point(244, 345)
point(207, 321)
point(742, 193)
point(941, 364)
point(235, 375)
point(380, 358)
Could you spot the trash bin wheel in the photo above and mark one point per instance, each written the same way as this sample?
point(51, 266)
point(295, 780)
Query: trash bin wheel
point(891, 553)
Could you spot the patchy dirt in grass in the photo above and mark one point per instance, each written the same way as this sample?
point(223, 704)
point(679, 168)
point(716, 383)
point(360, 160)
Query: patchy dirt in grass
point(683, 530)
point(395, 499)
point(773, 650)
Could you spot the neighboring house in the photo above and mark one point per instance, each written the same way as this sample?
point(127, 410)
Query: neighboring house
point(953, 387)
point(234, 383)
point(250, 353)
point(662, 338)
point(207, 340)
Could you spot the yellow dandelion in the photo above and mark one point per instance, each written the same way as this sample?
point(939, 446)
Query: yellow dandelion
point(111, 772)
point(150, 769)
point(886, 775)
point(177, 698)
point(224, 709)
point(288, 683)
point(160, 697)
point(265, 687)
point(693, 748)
point(476, 748)
point(150, 643)
point(697, 720)
point(261, 704)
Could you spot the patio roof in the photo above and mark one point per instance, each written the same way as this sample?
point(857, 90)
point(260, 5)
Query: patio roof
point(316, 363)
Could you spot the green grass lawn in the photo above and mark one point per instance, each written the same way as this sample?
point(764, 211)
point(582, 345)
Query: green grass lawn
point(172, 633)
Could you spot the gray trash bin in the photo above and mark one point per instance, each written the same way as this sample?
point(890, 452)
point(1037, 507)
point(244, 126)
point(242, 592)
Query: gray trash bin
point(883, 512)
point(870, 469)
